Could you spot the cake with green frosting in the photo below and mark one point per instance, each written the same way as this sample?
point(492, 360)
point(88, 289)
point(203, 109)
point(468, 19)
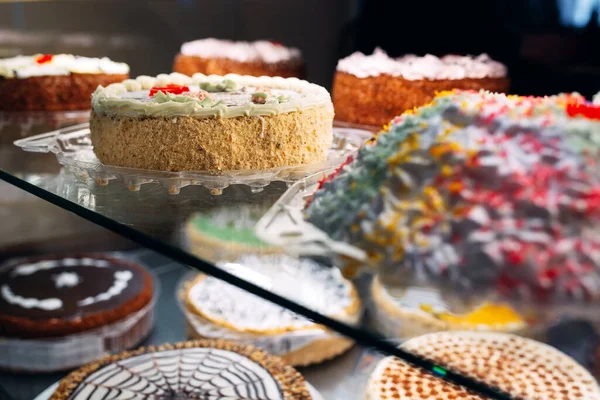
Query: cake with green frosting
point(211, 123)
point(226, 233)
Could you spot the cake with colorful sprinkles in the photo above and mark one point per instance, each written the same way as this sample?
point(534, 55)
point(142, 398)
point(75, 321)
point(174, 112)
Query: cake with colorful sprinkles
point(220, 57)
point(61, 82)
point(372, 89)
point(477, 193)
point(216, 309)
point(57, 296)
point(204, 369)
point(211, 123)
point(522, 368)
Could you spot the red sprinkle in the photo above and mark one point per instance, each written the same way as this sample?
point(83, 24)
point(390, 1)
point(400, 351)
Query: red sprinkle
point(175, 89)
point(586, 110)
point(44, 58)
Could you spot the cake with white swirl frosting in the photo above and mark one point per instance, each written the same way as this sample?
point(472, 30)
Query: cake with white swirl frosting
point(220, 57)
point(61, 82)
point(211, 123)
point(216, 309)
point(205, 369)
point(372, 89)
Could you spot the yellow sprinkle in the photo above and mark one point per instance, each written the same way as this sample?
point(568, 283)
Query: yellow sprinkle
point(447, 170)
point(353, 185)
point(486, 314)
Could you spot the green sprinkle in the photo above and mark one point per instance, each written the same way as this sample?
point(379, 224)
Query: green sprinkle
point(261, 95)
point(206, 102)
point(439, 371)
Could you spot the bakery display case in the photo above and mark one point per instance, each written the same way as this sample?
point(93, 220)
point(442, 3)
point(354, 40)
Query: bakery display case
point(213, 223)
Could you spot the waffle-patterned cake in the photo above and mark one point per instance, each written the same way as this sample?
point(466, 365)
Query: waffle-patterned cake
point(523, 368)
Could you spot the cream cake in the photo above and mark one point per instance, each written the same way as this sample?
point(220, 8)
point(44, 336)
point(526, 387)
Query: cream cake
point(220, 310)
point(523, 368)
point(372, 89)
point(211, 123)
point(203, 369)
point(61, 82)
point(220, 57)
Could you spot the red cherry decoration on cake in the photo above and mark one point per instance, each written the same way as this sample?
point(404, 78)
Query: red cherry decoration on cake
point(44, 58)
point(174, 89)
point(588, 111)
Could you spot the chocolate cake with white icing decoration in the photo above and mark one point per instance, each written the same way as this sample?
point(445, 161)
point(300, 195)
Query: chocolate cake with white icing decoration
point(372, 89)
point(211, 123)
point(60, 82)
point(220, 57)
point(204, 369)
point(56, 297)
point(218, 310)
point(523, 368)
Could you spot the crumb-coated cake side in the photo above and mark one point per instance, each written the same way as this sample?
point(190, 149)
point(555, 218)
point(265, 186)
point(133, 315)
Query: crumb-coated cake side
point(54, 82)
point(58, 296)
point(211, 369)
point(177, 123)
point(221, 57)
point(372, 89)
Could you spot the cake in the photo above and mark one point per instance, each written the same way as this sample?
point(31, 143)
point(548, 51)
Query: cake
point(523, 368)
point(372, 89)
point(211, 123)
point(221, 57)
point(53, 297)
point(226, 233)
point(204, 369)
point(60, 82)
point(483, 196)
point(216, 309)
point(405, 312)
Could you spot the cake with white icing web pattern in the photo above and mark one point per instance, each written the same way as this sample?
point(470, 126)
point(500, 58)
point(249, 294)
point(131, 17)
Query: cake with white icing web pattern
point(205, 369)
point(55, 297)
point(61, 82)
point(372, 89)
point(220, 57)
point(523, 368)
point(217, 309)
point(211, 123)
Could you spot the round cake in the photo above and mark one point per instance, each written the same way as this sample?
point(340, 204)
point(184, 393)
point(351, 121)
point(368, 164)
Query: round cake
point(220, 57)
point(53, 297)
point(372, 89)
point(211, 123)
point(523, 368)
point(220, 310)
point(226, 233)
point(203, 369)
point(406, 312)
point(60, 82)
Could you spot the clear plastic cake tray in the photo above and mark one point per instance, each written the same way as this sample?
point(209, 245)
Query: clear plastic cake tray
point(74, 150)
point(284, 225)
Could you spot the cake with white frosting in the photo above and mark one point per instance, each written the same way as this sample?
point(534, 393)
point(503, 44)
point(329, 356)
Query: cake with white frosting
point(523, 368)
point(220, 57)
point(216, 309)
point(53, 297)
point(61, 82)
point(211, 123)
point(204, 369)
point(372, 89)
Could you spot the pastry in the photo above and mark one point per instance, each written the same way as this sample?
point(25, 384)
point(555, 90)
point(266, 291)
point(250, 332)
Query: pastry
point(60, 82)
point(523, 368)
point(372, 89)
point(219, 310)
point(221, 57)
point(177, 123)
point(52, 297)
point(203, 369)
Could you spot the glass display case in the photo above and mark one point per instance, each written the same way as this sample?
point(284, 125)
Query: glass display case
point(233, 256)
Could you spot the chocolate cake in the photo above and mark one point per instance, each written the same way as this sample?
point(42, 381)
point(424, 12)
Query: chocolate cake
point(221, 57)
point(61, 82)
point(58, 296)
